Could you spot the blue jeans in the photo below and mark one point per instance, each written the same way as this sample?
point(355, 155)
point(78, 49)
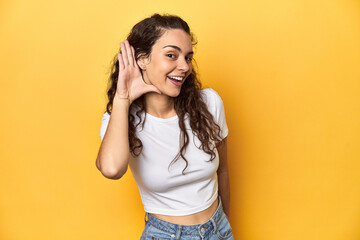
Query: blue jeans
point(218, 227)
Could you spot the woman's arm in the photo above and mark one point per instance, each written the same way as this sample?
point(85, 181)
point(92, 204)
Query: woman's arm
point(114, 153)
point(223, 176)
point(113, 156)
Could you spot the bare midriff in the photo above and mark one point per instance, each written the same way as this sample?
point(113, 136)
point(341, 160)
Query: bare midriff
point(192, 219)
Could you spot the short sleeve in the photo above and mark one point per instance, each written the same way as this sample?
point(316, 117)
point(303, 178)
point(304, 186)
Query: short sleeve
point(104, 123)
point(216, 106)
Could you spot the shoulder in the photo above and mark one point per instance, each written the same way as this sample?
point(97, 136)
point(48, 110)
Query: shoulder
point(211, 97)
point(209, 92)
point(216, 108)
point(105, 120)
point(105, 116)
point(104, 123)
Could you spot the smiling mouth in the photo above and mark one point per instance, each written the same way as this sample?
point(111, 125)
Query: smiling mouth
point(176, 78)
point(175, 81)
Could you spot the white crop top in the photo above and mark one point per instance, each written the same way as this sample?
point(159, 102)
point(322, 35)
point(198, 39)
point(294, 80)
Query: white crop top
point(163, 189)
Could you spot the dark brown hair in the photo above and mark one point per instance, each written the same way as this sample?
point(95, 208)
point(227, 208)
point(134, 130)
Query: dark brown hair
point(142, 37)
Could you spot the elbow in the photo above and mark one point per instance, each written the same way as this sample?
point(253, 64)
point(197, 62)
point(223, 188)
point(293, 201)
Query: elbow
point(113, 173)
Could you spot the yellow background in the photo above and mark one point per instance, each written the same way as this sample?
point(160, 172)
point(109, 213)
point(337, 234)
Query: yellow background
point(289, 76)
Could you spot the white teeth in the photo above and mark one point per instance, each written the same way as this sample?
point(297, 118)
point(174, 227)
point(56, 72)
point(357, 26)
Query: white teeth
point(176, 78)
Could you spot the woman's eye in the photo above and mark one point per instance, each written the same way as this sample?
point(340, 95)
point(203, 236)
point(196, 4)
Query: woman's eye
point(170, 55)
point(189, 59)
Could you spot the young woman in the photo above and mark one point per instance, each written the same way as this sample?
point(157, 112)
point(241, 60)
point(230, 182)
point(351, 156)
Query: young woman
point(170, 131)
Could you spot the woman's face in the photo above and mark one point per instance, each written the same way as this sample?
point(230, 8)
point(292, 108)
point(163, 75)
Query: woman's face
point(171, 57)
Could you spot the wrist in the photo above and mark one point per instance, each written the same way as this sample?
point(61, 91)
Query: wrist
point(121, 100)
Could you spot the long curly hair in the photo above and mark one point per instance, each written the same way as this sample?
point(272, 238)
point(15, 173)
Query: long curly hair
point(142, 37)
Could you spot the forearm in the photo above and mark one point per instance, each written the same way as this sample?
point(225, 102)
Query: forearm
point(224, 191)
point(113, 155)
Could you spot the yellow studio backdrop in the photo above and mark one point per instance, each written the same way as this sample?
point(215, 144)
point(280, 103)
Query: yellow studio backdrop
point(287, 71)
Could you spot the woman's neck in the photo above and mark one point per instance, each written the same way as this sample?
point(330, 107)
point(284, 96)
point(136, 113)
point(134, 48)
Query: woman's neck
point(161, 106)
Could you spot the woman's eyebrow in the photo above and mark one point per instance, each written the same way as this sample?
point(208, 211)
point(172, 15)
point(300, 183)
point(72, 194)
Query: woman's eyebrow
point(177, 48)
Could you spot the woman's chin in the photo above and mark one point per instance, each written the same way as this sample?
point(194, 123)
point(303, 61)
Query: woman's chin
point(175, 93)
point(170, 91)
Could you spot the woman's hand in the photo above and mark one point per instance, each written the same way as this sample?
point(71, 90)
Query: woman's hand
point(130, 82)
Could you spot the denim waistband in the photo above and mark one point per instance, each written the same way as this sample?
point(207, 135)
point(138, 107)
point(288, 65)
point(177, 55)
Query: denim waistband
point(176, 229)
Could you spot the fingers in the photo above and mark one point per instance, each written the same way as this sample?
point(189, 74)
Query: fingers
point(121, 64)
point(150, 88)
point(129, 53)
point(124, 54)
point(133, 54)
point(154, 89)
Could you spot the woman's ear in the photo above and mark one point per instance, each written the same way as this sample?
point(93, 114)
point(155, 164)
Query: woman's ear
point(142, 62)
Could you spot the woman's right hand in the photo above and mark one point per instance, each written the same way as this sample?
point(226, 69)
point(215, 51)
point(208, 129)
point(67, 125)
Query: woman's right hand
point(130, 83)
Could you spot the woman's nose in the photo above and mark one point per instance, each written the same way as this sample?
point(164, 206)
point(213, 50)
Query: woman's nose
point(183, 65)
